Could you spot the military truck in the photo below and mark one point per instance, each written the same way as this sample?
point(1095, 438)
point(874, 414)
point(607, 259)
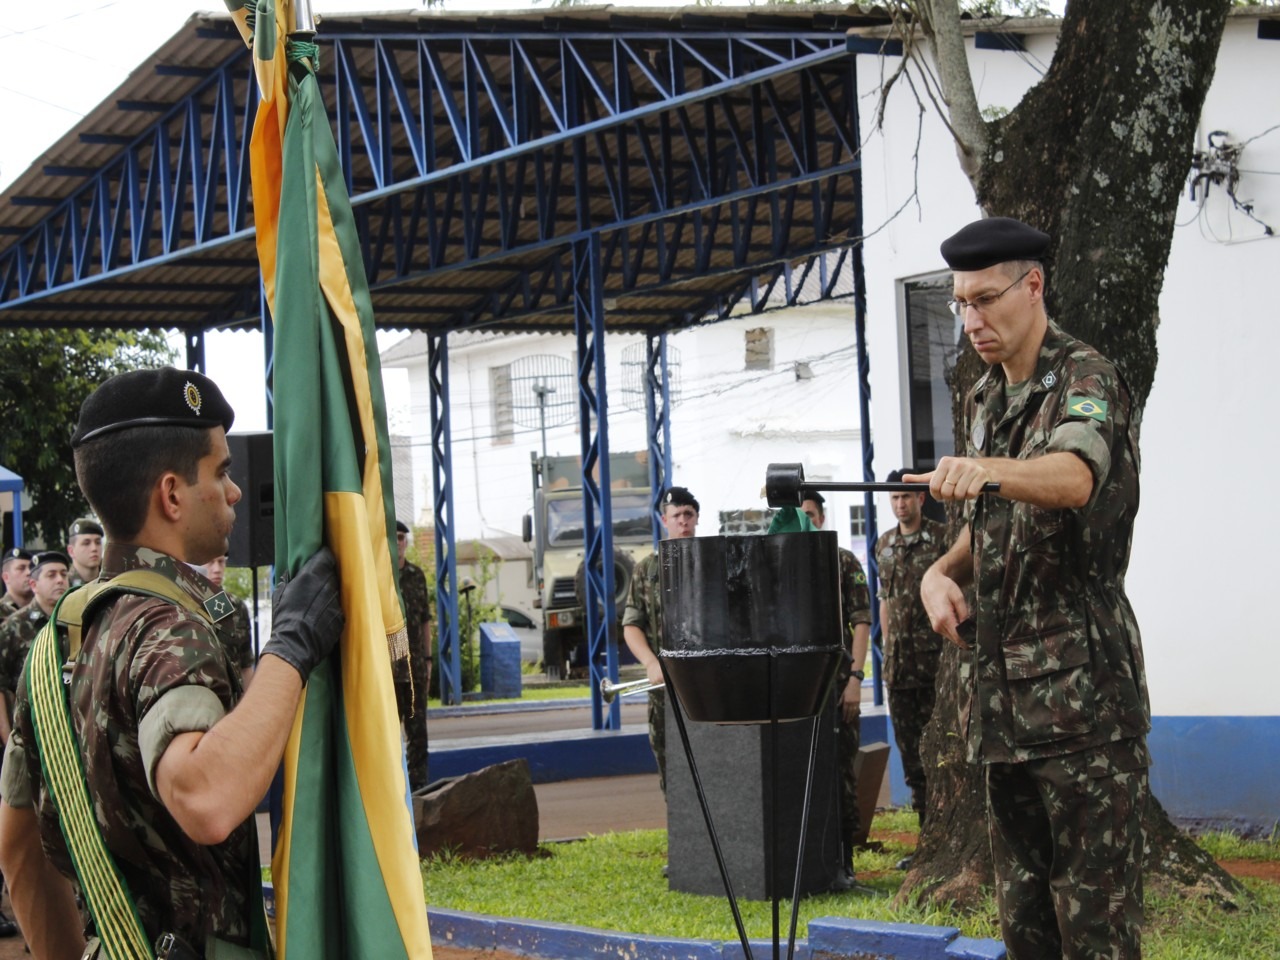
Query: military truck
point(554, 528)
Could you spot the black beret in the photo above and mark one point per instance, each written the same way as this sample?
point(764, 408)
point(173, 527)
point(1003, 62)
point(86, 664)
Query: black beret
point(15, 553)
point(49, 556)
point(401, 527)
point(985, 243)
point(85, 525)
point(807, 493)
point(153, 398)
point(895, 476)
point(680, 497)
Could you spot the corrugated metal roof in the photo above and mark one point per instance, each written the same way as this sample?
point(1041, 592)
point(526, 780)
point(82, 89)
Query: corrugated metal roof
point(216, 286)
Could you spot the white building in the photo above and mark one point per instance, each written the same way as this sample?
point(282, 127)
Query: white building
point(1199, 576)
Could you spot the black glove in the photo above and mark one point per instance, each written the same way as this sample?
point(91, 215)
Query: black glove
point(306, 614)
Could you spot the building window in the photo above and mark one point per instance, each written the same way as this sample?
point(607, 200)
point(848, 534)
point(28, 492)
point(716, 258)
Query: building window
point(759, 348)
point(934, 337)
point(501, 410)
point(744, 523)
point(858, 521)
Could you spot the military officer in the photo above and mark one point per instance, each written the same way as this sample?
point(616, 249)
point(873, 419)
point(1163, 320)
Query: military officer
point(1056, 706)
point(911, 648)
point(855, 607)
point(413, 678)
point(84, 546)
point(48, 579)
point(240, 630)
point(17, 588)
point(642, 619)
point(175, 759)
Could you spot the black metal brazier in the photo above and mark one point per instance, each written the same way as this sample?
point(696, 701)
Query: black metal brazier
point(751, 625)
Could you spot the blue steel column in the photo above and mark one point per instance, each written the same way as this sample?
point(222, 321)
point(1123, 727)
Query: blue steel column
point(864, 415)
point(195, 350)
point(597, 508)
point(450, 657)
point(657, 412)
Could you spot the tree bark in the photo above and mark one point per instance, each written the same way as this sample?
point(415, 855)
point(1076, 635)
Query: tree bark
point(1095, 155)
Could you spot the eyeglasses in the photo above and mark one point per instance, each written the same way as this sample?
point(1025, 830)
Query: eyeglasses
point(982, 303)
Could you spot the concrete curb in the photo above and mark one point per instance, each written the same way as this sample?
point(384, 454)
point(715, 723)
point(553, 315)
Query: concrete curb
point(830, 938)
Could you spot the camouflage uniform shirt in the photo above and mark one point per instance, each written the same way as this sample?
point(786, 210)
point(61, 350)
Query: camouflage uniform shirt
point(148, 671)
point(16, 635)
point(911, 648)
point(239, 634)
point(1057, 665)
point(9, 606)
point(855, 608)
point(417, 607)
point(644, 601)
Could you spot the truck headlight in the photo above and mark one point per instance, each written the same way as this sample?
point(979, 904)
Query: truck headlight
point(561, 619)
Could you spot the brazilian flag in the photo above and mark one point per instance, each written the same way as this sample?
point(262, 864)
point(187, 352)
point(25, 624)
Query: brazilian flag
point(345, 866)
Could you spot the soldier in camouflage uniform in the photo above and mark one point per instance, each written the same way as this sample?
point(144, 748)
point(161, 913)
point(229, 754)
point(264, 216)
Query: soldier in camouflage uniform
point(911, 648)
point(239, 630)
point(84, 546)
point(855, 608)
point(48, 579)
point(413, 674)
point(17, 587)
point(642, 619)
point(175, 760)
point(1056, 704)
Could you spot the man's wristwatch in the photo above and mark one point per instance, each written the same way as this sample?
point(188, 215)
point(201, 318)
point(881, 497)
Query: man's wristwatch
point(860, 674)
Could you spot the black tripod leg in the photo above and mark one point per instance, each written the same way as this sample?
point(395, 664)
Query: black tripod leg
point(706, 813)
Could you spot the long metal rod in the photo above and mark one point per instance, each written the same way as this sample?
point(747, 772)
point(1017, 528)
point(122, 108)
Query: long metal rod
point(883, 487)
point(706, 815)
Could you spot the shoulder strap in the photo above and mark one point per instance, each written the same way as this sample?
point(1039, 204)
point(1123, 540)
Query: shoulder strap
point(109, 900)
point(77, 608)
point(105, 890)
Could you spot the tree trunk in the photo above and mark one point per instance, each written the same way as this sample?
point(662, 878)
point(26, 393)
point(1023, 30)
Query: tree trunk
point(1095, 155)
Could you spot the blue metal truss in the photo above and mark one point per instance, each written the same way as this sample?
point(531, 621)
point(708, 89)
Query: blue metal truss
point(657, 414)
point(597, 508)
point(449, 641)
point(457, 150)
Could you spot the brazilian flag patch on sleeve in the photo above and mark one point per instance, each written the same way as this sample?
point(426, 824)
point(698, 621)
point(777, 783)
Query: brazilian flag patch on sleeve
point(1087, 407)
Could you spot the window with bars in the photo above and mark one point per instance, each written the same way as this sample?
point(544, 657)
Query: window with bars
point(501, 409)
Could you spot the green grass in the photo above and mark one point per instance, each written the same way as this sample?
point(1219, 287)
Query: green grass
point(532, 692)
point(614, 882)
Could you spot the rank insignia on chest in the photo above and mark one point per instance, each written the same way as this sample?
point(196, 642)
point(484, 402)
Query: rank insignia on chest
point(1087, 407)
point(219, 606)
point(1049, 380)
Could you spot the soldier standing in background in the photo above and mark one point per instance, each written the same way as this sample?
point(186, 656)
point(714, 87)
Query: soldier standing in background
point(855, 610)
point(48, 578)
point(642, 619)
point(413, 678)
point(17, 588)
point(911, 648)
point(239, 629)
point(84, 546)
point(1055, 701)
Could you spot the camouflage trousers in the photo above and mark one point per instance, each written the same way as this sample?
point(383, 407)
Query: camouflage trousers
point(848, 739)
point(911, 708)
point(411, 699)
point(1067, 840)
point(658, 734)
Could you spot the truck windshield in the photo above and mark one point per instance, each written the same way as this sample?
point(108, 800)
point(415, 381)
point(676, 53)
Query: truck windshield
point(630, 519)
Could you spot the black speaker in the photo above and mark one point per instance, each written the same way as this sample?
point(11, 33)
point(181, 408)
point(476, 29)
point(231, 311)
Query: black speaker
point(253, 538)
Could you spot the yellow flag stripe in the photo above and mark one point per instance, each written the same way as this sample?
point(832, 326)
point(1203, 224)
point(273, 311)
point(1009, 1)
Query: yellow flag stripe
point(280, 857)
point(375, 733)
point(337, 290)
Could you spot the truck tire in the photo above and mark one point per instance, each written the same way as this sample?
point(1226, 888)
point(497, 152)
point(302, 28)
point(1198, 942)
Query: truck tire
point(623, 566)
